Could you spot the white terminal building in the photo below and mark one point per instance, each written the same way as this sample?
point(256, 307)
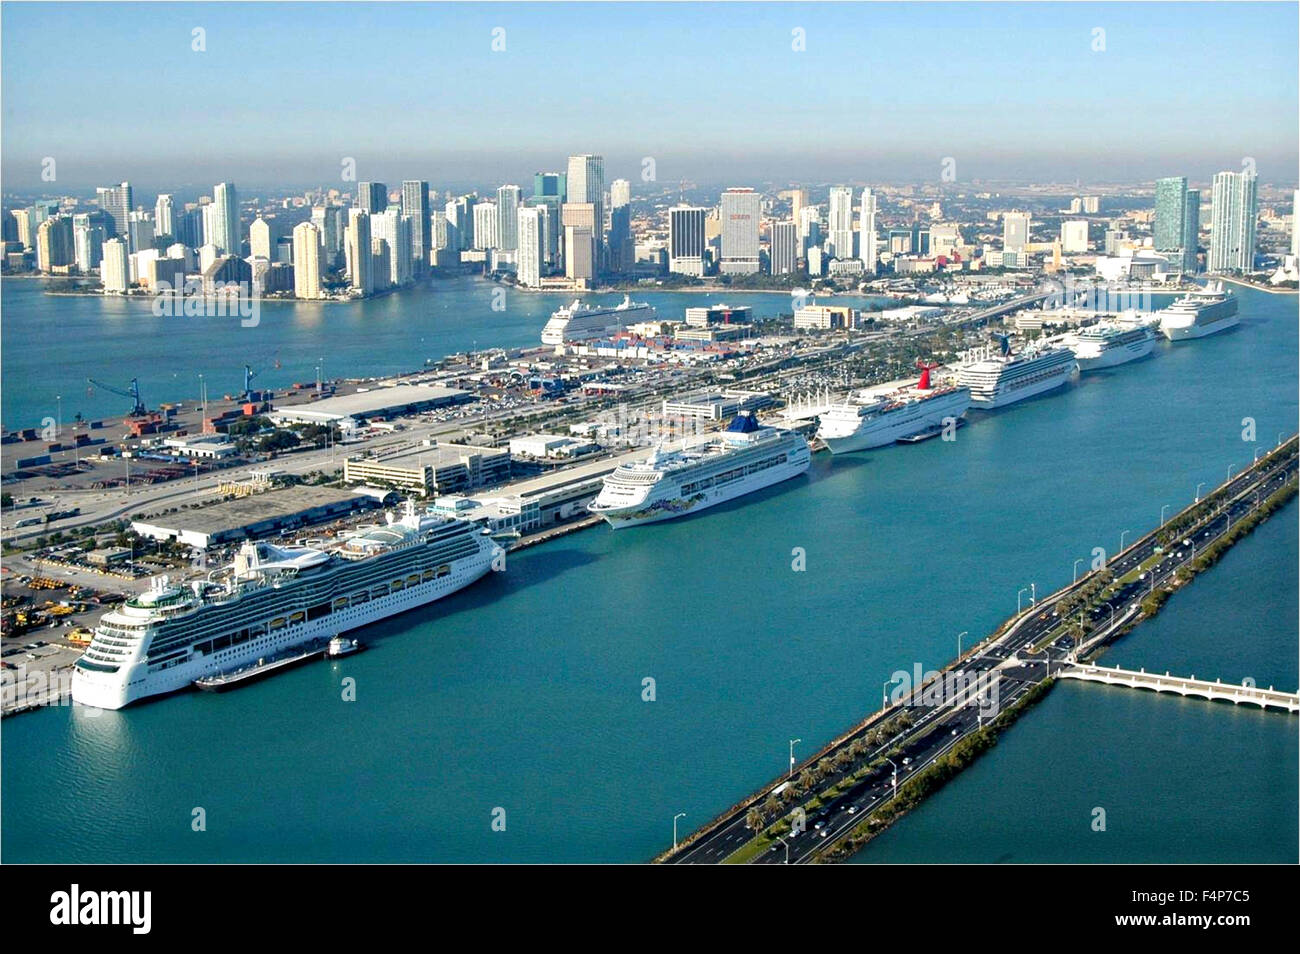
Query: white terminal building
point(384, 401)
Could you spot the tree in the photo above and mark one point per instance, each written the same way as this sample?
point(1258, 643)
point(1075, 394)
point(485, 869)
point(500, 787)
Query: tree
point(754, 820)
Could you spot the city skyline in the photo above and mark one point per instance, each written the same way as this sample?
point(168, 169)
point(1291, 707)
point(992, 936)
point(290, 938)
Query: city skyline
point(656, 98)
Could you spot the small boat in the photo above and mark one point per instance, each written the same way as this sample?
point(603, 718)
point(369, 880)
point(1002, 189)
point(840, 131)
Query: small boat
point(218, 681)
point(341, 646)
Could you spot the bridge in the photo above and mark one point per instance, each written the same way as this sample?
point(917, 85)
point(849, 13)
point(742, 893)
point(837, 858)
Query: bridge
point(1214, 691)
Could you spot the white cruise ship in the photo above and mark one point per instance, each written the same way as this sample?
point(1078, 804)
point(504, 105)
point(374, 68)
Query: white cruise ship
point(743, 458)
point(1107, 344)
point(1203, 312)
point(582, 322)
point(999, 380)
point(273, 599)
point(875, 418)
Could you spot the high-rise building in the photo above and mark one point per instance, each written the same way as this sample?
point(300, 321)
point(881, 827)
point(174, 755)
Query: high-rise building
point(1191, 229)
point(259, 239)
point(552, 231)
point(415, 205)
point(225, 219)
point(686, 240)
point(139, 231)
point(485, 226)
point(360, 263)
point(1171, 208)
point(1232, 223)
point(55, 248)
point(372, 197)
point(1015, 231)
point(784, 251)
point(307, 249)
point(622, 252)
point(579, 252)
point(163, 217)
point(381, 261)
point(810, 227)
point(394, 229)
point(329, 223)
point(1091, 204)
point(585, 184)
point(188, 223)
point(839, 222)
point(508, 197)
point(867, 231)
point(549, 185)
point(88, 236)
point(117, 204)
point(115, 266)
point(1074, 236)
point(531, 245)
point(741, 211)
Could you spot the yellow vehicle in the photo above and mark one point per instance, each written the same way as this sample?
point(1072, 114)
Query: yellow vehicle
point(80, 636)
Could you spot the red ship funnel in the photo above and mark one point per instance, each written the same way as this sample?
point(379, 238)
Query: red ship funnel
point(924, 383)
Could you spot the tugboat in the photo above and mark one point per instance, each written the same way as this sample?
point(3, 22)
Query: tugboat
point(341, 646)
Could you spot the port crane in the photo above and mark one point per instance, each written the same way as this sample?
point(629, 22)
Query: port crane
point(249, 374)
point(132, 391)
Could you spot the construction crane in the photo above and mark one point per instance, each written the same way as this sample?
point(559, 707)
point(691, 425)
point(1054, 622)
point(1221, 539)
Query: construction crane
point(132, 391)
point(249, 374)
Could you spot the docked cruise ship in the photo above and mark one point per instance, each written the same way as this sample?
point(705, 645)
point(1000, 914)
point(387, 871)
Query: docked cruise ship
point(582, 322)
point(1206, 311)
point(875, 418)
point(743, 458)
point(999, 380)
point(1110, 343)
point(272, 599)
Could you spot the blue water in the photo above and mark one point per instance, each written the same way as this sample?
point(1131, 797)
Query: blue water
point(53, 343)
point(1181, 780)
point(524, 692)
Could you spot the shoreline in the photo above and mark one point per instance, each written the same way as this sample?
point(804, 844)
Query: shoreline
point(1262, 288)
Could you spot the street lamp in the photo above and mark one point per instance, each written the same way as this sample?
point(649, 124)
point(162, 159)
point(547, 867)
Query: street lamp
point(675, 817)
point(893, 778)
point(964, 632)
point(1198, 491)
point(792, 743)
point(884, 694)
point(1162, 514)
point(1076, 568)
point(1121, 539)
point(1018, 593)
point(787, 849)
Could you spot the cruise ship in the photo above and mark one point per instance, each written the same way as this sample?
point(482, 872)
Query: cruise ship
point(999, 380)
point(1206, 311)
point(272, 599)
point(1110, 343)
point(745, 457)
point(875, 418)
point(582, 322)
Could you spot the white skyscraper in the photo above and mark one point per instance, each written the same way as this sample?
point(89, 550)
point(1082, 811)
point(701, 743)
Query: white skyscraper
point(1232, 223)
point(225, 218)
point(259, 239)
point(394, 229)
point(867, 231)
point(508, 217)
point(163, 221)
point(358, 247)
point(528, 227)
point(306, 260)
point(115, 266)
point(784, 251)
point(1015, 231)
point(485, 226)
point(741, 213)
point(1074, 236)
point(839, 222)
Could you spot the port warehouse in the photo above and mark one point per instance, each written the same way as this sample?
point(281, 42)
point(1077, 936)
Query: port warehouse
point(432, 467)
point(257, 515)
point(716, 405)
point(384, 402)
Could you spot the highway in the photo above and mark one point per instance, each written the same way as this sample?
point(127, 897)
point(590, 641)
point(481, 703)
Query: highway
point(1007, 661)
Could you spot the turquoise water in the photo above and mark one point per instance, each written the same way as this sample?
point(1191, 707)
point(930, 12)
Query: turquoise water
point(52, 343)
point(525, 692)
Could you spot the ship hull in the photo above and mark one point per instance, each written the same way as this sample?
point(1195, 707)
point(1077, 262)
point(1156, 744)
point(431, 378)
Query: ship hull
point(1112, 357)
point(1013, 395)
point(667, 507)
point(1188, 332)
point(116, 690)
point(879, 434)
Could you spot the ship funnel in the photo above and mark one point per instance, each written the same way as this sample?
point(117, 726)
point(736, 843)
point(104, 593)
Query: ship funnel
point(925, 369)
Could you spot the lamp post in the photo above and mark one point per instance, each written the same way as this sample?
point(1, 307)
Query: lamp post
point(964, 632)
point(1076, 569)
point(675, 817)
point(884, 694)
point(1198, 491)
point(792, 744)
point(1162, 514)
point(787, 850)
point(893, 778)
point(1121, 539)
point(1018, 594)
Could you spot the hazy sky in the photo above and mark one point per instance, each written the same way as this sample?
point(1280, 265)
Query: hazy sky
point(712, 92)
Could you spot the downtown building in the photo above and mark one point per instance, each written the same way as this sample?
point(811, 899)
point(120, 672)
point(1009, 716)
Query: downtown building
point(741, 211)
point(784, 249)
point(1232, 223)
point(867, 232)
point(415, 206)
point(686, 240)
point(1177, 220)
point(307, 250)
point(839, 223)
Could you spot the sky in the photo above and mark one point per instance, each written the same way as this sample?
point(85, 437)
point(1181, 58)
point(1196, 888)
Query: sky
point(711, 92)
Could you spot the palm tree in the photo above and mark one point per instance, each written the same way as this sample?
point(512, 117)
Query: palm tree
point(754, 820)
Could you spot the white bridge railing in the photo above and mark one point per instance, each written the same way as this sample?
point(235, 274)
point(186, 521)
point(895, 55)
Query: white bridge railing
point(1269, 698)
